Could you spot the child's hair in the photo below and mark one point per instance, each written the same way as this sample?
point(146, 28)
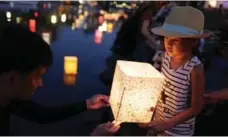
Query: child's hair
point(196, 51)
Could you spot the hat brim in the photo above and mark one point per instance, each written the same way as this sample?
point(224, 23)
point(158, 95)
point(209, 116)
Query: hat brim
point(162, 32)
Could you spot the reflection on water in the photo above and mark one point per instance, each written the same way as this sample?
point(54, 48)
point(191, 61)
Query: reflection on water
point(77, 17)
point(69, 79)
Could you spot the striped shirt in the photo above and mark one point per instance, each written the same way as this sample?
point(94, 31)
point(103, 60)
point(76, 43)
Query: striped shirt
point(176, 94)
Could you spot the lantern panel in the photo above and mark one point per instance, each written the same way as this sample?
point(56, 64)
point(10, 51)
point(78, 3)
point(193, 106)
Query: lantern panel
point(135, 89)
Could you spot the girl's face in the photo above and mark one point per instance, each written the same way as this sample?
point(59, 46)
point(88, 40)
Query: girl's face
point(177, 46)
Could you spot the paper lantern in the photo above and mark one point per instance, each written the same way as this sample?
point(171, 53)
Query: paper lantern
point(53, 19)
point(63, 18)
point(32, 25)
point(70, 65)
point(135, 89)
point(69, 79)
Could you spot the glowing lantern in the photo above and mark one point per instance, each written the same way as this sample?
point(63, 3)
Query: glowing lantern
point(69, 79)
point(212, 3)
point(53, 19)
point(35, 14)
point(86, 13)
point(32, 25)
point(46, 37)
point(70, 65)
point(98, 37)
point(81, 17)
point(63, 17)
point(109, 27)
point(18, 20)
point(102, 12)
point(73, 26)
point(77, 23)
point(44, 6)
point(135, 89)
point(8, 14)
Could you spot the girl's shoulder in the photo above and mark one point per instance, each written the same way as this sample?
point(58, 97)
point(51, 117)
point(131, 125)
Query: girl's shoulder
point(196, 61)
point(196, 64)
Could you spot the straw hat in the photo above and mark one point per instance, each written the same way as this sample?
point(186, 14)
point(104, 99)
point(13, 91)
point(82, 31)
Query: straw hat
point(183, 22)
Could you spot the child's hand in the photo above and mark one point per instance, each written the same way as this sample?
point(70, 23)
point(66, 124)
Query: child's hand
point(159, 126)
point(145, 125)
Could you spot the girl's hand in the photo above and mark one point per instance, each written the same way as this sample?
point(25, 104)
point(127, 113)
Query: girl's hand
point(159, 126)
point(145, 125)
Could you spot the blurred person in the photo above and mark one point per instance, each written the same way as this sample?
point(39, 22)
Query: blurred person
point(24, 58)
point(215, 98)
point(181, 98)
point(145, 41)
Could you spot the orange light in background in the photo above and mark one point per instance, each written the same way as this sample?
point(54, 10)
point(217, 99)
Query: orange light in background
point(81, 17)
point(69, 79)
point(98, 37)
point(36, 14)
point(100, 20)
point(70, 65)
point(32, 25)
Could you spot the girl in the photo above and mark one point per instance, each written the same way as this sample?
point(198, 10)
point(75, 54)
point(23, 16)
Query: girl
point(181, 99)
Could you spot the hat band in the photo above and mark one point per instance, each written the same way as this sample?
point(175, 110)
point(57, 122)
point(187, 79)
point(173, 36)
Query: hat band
point(181, 29)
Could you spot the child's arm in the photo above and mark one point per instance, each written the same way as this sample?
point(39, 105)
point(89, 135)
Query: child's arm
point(197, 84)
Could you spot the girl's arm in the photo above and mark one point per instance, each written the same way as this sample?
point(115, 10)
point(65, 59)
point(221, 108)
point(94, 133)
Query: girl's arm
point(197, 84)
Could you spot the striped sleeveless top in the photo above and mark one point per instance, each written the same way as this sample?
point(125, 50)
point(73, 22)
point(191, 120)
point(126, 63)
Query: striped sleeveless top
point(176, 95)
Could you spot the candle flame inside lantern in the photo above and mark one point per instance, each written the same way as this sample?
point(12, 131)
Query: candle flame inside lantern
point(70, 65)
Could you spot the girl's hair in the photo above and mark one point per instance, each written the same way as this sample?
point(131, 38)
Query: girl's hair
point(196, 52)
